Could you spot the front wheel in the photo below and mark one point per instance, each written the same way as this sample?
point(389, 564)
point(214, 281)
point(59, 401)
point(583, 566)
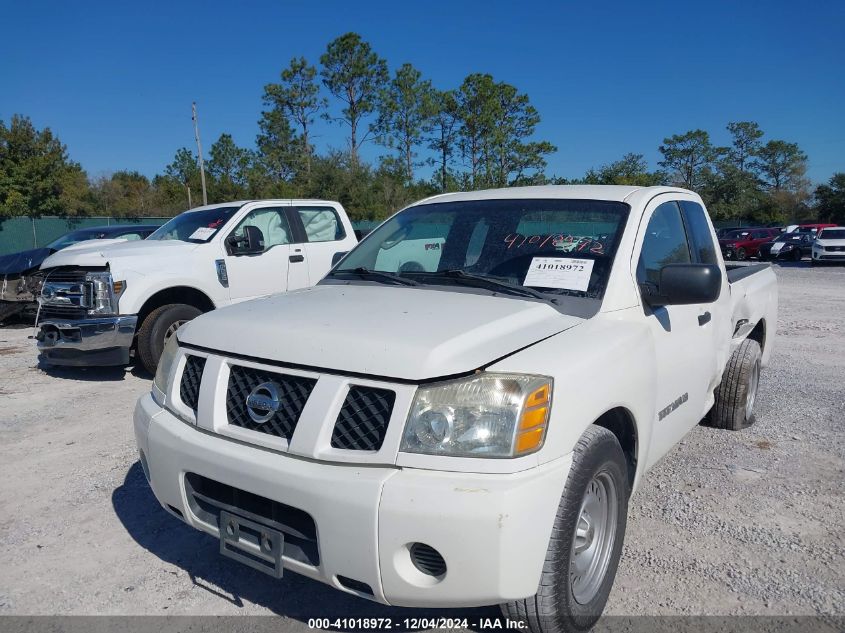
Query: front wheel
point(158, 326)
point(740, 254)
point(586, 540)
point(796, 256)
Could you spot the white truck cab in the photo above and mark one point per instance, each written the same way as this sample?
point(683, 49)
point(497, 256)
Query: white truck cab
point(100, 301)
point(458, 413)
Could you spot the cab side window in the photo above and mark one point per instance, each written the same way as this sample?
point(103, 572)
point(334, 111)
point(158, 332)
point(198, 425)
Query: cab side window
point(272, 223)
point(321, 224)
point(698, 229)
point(665, 242)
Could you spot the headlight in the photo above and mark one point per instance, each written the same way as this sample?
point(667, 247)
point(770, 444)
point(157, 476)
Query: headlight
point(165, 363)
point(487, 415)
point(104, 293)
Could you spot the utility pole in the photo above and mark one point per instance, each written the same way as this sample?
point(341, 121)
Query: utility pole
point(199, 151)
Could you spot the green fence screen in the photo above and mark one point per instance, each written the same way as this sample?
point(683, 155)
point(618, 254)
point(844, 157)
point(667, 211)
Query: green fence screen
point(23, 233)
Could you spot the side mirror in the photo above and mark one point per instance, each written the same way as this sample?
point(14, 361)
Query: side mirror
point(684, 284)
point(338, 256)
point(251, 243)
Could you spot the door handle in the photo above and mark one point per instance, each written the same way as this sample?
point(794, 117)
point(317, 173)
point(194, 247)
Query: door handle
point(296, 258)
point(704, 318)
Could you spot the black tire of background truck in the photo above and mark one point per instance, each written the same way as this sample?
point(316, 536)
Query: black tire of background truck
point(553, 609)
point(152, 332)
point(730, 410)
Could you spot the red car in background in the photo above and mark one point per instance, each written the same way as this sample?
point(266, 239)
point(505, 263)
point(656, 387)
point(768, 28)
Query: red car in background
point(744, 243)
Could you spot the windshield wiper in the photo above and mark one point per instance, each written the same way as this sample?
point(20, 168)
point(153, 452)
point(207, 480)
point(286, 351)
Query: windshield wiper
point(493, 283)
point(366, 272)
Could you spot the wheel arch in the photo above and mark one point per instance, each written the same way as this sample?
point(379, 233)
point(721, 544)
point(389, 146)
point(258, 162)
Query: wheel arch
point(758, 333)
point(176, 294)
point(620, 421)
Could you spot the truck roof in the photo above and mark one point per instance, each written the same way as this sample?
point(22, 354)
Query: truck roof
point(240, 203)
point(617, 193)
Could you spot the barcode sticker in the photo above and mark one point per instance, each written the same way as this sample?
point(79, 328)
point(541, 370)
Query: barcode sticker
point(567, 273)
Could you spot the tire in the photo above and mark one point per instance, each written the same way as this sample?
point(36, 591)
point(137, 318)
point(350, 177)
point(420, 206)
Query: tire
point(598, 466)
point(796, 256)
point(157, 328)
point(740, 254)
point(737, 393)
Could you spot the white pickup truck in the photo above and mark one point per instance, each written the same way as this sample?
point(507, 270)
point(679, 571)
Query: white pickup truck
point(100, 302)
point(458, 413)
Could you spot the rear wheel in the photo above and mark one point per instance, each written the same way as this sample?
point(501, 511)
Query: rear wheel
point(737, 393)
point(158, 326)
point(741, 254)
point(586, 541)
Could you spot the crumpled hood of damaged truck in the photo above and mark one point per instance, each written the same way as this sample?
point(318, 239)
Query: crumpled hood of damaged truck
point(380, 330)
point(136, 255)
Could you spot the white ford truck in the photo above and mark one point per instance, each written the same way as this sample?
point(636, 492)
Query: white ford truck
point(99, 303)
point(458, 413)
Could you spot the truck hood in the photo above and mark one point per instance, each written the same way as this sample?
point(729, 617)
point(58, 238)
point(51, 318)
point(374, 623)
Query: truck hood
point(380, 331)
point(120, 254)
point(86, 244)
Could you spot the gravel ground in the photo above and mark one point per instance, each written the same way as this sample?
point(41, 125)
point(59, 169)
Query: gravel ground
point(746, 523)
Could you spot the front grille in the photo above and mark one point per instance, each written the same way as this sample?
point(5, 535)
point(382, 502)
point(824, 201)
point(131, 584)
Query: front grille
point(67, 274)
point(207, 497)
point(362, 422)
point(834, 249)
point(293, 393)
point(63, 313)
point(189, 386)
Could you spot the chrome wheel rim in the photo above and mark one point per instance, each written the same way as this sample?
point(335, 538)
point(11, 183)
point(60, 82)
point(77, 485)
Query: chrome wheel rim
point(172, 329)
point(753, 381)
point(595, 534)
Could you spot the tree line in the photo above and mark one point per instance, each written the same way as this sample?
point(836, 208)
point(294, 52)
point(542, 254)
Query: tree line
point(480, 134)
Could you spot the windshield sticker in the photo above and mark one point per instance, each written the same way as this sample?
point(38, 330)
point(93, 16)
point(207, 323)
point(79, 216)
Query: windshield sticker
point(566, 273)
point(202, 233)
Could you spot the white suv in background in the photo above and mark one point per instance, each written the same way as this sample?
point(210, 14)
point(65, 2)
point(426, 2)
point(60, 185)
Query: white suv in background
point(829, 246)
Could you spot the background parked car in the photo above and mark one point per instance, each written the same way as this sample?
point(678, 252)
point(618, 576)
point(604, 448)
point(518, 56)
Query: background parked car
point(725, 231)
point(789, 246)
point(18, 284)
point(829, 246)
point(744, 243)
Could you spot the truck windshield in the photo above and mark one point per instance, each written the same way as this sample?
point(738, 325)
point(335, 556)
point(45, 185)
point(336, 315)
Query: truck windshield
point(194, 226)
point(515, 247)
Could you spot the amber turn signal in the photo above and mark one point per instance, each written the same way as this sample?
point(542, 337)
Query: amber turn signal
point(532, 422)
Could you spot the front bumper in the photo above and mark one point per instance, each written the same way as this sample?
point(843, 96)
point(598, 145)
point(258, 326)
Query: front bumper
point(828, 256)
point(87, 342)
point(492, 530)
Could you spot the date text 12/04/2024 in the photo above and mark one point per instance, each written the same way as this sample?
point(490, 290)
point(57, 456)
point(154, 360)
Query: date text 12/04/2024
point(415, 623)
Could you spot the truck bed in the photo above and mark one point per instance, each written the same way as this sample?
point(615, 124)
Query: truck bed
point(735, 272)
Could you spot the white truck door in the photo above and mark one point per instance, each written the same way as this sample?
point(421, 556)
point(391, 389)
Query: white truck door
point(266, 272)
point(682, 334)
point(324, 235)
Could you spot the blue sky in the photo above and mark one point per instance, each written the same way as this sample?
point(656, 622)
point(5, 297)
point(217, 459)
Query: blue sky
point(115, 80)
